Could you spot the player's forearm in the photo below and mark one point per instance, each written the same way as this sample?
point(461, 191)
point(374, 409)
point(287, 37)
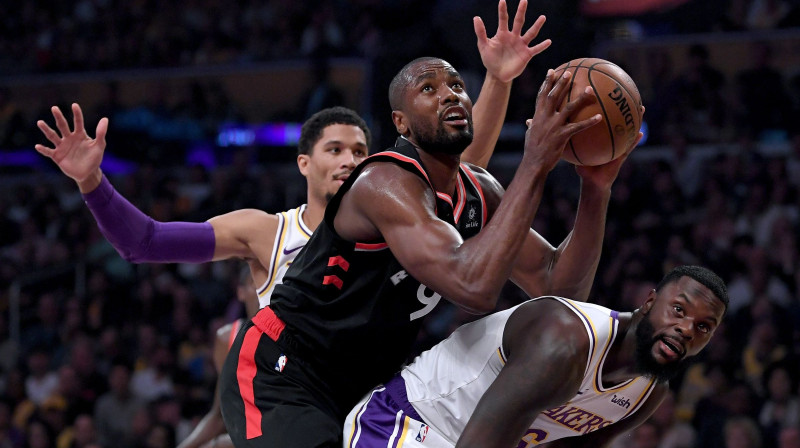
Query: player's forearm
point(488, 116)
point(579, 254)
point(486, 260)
point(139, 238)
point(91, 182)
point(208, 429)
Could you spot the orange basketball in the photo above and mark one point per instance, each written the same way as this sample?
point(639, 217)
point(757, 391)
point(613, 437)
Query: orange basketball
point(618, 103)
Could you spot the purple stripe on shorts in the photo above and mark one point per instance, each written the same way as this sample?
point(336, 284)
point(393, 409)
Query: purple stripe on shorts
point(377, 419)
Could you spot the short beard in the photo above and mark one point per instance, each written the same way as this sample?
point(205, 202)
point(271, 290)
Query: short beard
point(644, 362)
point(439, 141)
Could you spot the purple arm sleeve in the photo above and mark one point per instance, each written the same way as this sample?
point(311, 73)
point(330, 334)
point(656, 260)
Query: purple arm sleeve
point(140, 239)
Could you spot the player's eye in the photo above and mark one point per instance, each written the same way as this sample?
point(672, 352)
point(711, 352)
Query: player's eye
point(427, 88)
point(458, 85)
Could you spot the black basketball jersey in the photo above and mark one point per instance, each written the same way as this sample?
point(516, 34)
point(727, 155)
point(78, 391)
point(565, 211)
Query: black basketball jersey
point(352, 306)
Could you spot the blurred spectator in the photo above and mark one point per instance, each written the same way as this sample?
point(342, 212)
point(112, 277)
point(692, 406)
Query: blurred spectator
point(765, 105)
point(699, 105)
point(782, 406)
point(742, 432)
point(41, 381)
point(674, 433)
point(789, 437)
point(116, 410)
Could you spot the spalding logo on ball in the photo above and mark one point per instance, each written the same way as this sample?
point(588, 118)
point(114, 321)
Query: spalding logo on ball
point(618, 103)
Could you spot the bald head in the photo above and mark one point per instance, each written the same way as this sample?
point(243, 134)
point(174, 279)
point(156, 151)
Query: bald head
point(404, 78)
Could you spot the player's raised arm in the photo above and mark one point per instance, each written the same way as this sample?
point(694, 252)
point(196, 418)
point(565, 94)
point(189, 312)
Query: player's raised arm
point(470, 273)
point(137, 237)
point(505, 57)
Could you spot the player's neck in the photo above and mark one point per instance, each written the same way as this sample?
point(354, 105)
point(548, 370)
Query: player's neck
point(442, 170)
point(619, 363)
point(315, 210)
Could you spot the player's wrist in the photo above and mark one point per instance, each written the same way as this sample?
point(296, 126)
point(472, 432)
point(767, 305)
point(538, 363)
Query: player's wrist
point(91, 182)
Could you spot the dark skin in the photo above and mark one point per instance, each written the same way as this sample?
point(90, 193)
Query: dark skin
point(546, 345)
point(471, 273)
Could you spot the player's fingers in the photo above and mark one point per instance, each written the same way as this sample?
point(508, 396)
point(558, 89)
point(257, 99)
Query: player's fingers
point(77, 117)
point(540, 47)
point(61, 122)
point(44, 150)
point(547, 84)
point(533, 31)
point(586, 98)
point(502, 16)
point(100, 132)
point(48, 132)
point(519, 18)
point(480, 29)
point(573, 128)
point(561, 88)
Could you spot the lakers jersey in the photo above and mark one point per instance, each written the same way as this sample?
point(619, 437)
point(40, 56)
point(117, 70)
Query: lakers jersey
point(291, 236)
point(445, 383)
point(350, 306)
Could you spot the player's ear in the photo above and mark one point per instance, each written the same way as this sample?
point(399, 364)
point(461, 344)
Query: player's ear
point(400, 122)
point(302, 163)
point(648, 303)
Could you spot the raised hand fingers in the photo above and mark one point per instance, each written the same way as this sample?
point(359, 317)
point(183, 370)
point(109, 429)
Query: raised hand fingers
point(48, 132)
point(519, 18)
point(61, 122)
point(480, 29)
point(77, 117)
point(533, 31)
point(102, 128)
point(44, 150)
point(502, 16)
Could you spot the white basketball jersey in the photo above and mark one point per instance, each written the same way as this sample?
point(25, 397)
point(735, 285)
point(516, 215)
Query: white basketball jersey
point(292, 235)
point(445, 383)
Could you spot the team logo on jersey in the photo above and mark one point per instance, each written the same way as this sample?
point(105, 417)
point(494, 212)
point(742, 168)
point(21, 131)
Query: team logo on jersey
point(621, 401)
point(281, 364)
point(423, 432)
point(471, 214)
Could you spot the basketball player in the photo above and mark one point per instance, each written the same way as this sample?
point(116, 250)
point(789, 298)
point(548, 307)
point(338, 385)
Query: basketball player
point(332, 143)
point(210, 431)
point(402, 232)
point(549, 371)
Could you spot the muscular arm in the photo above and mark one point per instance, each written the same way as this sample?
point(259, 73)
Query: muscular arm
point(547, 348)
point(136, 236)
point(488, 116)
point(387, 201)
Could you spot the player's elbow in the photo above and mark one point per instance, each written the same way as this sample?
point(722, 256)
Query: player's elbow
point(477, 300)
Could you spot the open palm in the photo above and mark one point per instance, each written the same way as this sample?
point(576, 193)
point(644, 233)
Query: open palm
point(76, 154)
point(507, 53)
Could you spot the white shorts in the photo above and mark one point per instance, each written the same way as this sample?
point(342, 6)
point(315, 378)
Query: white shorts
point(385, 419)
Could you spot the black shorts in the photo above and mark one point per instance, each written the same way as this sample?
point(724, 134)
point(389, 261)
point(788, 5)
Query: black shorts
point(270, 397)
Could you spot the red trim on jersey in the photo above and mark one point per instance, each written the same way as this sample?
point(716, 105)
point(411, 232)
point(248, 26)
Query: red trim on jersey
point(234, 330)
point(477, 185)
point(333, 280)
point(339, 261)
point(371, 246)
point(245, 374)
point(445, 197)
point(269, 323)
point(461, 195)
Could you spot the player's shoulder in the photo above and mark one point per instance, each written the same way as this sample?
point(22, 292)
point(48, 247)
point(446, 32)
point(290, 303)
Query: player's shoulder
point(545, 320)
point(487, 182)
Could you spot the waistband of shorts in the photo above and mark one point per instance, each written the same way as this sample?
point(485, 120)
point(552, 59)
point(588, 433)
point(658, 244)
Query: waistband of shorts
point(396, 388)
point(269, 324)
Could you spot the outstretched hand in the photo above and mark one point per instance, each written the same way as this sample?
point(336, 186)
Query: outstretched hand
point(550, 128)
point(507, 53)
point(76, 154)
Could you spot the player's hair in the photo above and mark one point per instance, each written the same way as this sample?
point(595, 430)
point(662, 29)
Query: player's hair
point(702, 275)
point(313, 127)
point(401, 80)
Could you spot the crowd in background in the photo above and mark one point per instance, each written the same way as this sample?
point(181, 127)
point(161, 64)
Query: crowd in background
point(111, 354)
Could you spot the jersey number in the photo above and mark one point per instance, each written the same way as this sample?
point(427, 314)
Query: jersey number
point(532, 437)
point(429, 301)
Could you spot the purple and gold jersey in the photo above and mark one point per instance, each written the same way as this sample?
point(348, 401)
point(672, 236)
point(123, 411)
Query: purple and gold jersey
point(444, 384)
point(291, 236)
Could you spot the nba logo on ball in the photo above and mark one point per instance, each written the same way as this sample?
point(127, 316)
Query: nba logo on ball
point(423, 431)
point(281, 363)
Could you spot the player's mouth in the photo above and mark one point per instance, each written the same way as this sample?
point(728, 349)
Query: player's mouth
point(341, 177)
point(670, 349)
point(455, 116)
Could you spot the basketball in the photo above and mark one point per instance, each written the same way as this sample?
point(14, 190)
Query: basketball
point(618, 103)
